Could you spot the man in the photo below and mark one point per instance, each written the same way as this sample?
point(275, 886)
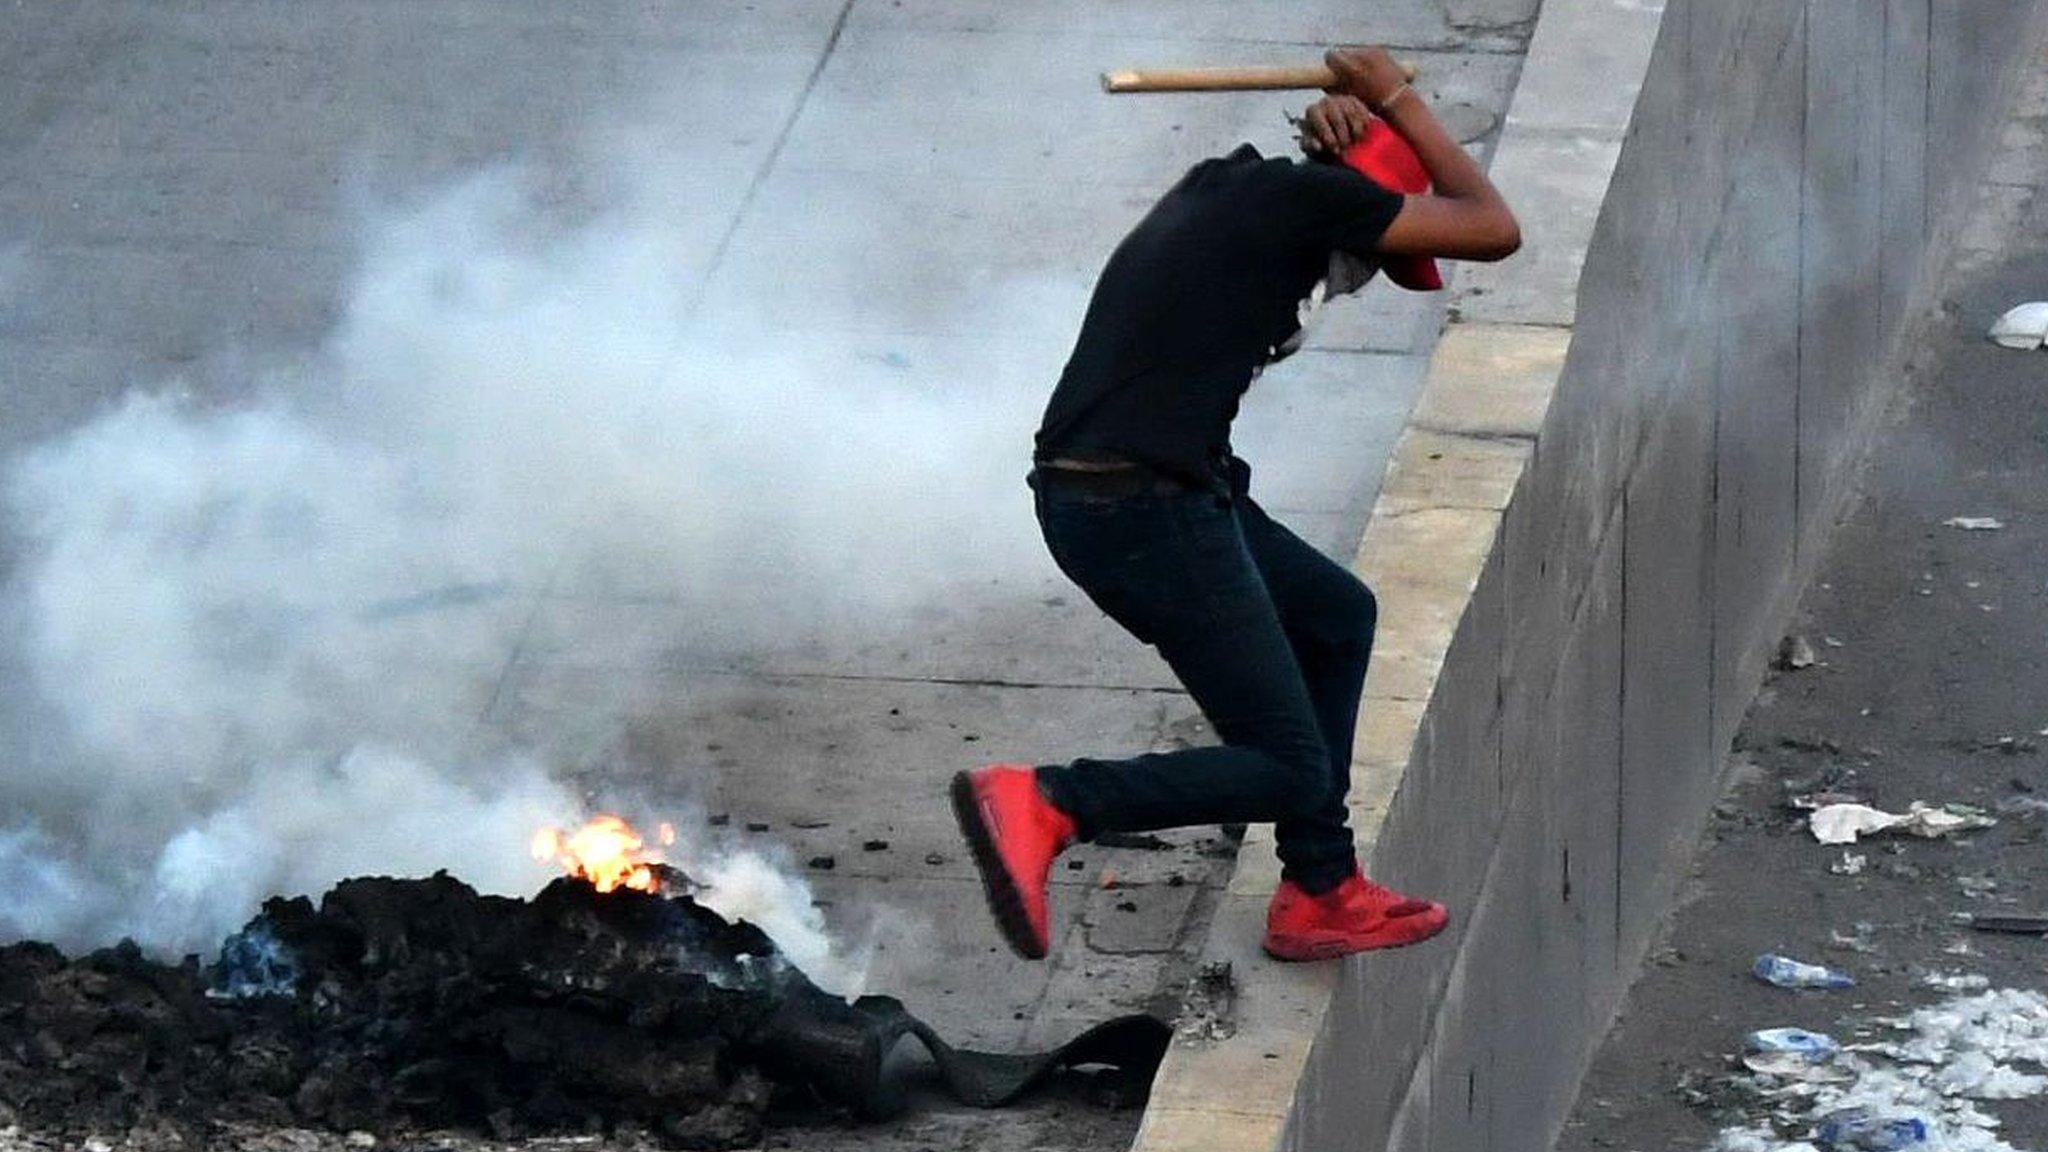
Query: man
point(1144, 507)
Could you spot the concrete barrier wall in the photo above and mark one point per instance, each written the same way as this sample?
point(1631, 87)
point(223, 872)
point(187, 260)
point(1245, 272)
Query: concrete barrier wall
point(1791, 174)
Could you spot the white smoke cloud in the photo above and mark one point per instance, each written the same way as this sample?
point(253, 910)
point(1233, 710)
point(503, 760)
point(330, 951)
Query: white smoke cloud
point(749, 886)
point(373, 813)
point(258, 643)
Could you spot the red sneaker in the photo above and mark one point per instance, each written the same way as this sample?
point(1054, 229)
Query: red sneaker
point(1355, 916)
point(1015, 833)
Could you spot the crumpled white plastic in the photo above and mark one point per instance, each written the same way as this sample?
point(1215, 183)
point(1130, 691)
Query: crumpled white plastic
point(1976, 1075)
point(1843, 823)
point(2024, 327)
point(1946, 1059)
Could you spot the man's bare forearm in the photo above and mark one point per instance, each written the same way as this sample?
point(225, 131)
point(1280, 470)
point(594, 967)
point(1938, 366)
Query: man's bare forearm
point(1375, 77)
point(1451, 169)
point(1465, 217)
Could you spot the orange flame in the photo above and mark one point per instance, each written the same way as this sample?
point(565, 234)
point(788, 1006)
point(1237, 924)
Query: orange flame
point(606, 851)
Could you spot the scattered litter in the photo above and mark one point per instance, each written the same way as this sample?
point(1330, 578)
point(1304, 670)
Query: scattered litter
point(935, 858)
point(2010, 745)
point(2007, 1024)
point(1977, 887)
point(1857, 941)
point(1797, 1066)
point(1974, 523)
point(1978, 1076)
point(1794, 653)
point(1956, 981)
point(1843, 823)
point(1208, 1010)
point(1865, 1131)
point(1831, 642)
point(2024, 807)
point(2024, 326)
point(1920, 1089)
point(2010, 924)
point(1744, 1140)
point(1810, 744)
point(1816, 1047)
point(1809, 801)
point(1786, 972)
point(1851, 864)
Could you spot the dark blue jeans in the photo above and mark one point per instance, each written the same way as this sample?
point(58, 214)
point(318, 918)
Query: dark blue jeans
point(1269, 636)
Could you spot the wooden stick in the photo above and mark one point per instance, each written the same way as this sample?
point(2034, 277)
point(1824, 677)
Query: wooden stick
point(1241, 78)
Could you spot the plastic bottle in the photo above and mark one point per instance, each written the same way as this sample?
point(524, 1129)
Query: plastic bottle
point(1786, 972)
point(1858, 1130)
point(1815, 1046)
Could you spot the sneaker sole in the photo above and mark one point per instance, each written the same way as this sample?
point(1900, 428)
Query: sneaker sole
point(1005, 903)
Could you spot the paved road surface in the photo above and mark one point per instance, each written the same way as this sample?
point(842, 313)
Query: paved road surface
point(900, 196)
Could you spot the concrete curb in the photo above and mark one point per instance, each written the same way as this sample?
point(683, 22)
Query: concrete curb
point(1433, 532)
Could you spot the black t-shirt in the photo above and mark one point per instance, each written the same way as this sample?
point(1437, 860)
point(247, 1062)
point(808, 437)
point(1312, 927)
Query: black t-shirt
point(1196, 299)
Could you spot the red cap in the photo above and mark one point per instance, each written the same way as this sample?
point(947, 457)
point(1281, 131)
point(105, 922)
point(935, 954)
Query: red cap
point(1385, 157)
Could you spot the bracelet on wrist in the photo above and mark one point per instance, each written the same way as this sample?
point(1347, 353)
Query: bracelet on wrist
point(1380, 109)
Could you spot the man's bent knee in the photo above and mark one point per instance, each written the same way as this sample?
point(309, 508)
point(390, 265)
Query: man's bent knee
point(1345, 624)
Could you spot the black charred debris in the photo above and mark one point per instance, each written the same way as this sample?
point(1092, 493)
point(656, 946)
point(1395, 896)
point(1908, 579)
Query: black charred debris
point(405, 1005)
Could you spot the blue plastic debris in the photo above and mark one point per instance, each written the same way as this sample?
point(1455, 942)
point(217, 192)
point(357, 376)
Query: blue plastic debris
point(1786, 972)
point(1860, 1130)
point(1816, 1046)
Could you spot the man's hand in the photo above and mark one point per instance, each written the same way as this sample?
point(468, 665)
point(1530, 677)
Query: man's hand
point(1334, 123)
point(1370, 74)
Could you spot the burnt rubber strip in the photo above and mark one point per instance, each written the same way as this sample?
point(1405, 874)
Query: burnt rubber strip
point(2015, 925)
point(854, 1054)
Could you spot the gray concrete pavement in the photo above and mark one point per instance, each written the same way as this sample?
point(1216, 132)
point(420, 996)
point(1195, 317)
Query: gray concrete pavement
point(181, 191)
